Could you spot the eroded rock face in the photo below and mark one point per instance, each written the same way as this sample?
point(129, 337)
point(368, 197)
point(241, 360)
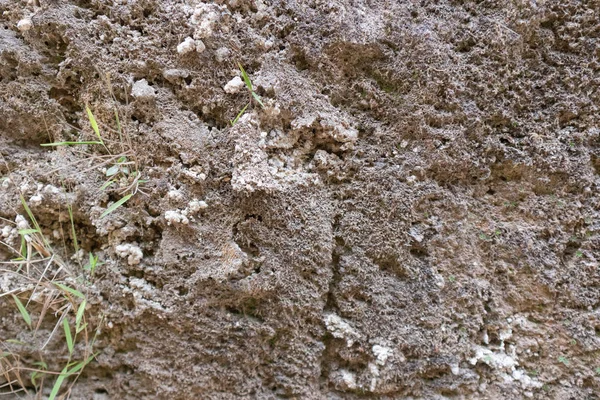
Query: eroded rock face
point(414, 213)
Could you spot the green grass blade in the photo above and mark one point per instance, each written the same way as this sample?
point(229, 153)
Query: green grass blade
point(245, 77)
point(91, 265)
point(58, 384)
point(30, 214)
point(80, 328)
point(15, 341)
point(37, 374)
point(69, 143)
point(239, 115)
point(68, 337)
point(81, 364)
point(257, 97)
point(93, 123)
point(75, 243)
point(67, 289)
point(27, 231)
point(23, 249)
point(23, 311)
point(106, 184)
point(34, 377)
point(119, 126)
point(80, 312)
point(116, 205)
point(33, 220)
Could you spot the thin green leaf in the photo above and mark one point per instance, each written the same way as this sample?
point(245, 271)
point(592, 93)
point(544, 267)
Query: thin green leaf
point(68, 337)
point(23, 249)
point(30, 214)
point(106, 184)
point(245, 77)
point(91, 265)
point(80, 328)
point(74, 292)
point(27, 231)
point(35, 374)
point(116, 205)
point(81, 364)
point(93, 123)
point(69, 143)
point(80, 312)
point(34, 377)
point(23, 311)
point(239, 115)
point(15, 341)
point(58, 384)
point(4, 354)
point(119, 126)
point(112, 170)
point(75, 243)
point(257, 97)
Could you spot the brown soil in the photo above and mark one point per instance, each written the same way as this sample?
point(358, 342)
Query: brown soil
point(413, 215)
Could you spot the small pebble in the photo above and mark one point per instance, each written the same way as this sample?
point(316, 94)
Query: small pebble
point(234, 85)
point(222, 54)
point(186, 46)
point(142, 90)
point(24, 25)
point(172, 75)
point(200, 46)
point(36, 200)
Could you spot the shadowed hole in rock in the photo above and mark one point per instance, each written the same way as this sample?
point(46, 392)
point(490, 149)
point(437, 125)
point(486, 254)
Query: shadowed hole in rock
point(241, 236)
point(182, 290)
point(418, 252)
point(572, 248)
point(246, 308)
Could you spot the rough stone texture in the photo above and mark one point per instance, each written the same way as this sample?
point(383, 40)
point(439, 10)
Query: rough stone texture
point(414, 214)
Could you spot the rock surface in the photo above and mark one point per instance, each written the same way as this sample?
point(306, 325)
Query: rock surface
point(413, 214)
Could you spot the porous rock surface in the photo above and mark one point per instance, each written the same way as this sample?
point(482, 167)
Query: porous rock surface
point(414, 214)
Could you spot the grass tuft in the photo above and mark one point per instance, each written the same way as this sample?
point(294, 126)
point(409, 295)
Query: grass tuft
point(92, 264)
point(253, 94)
